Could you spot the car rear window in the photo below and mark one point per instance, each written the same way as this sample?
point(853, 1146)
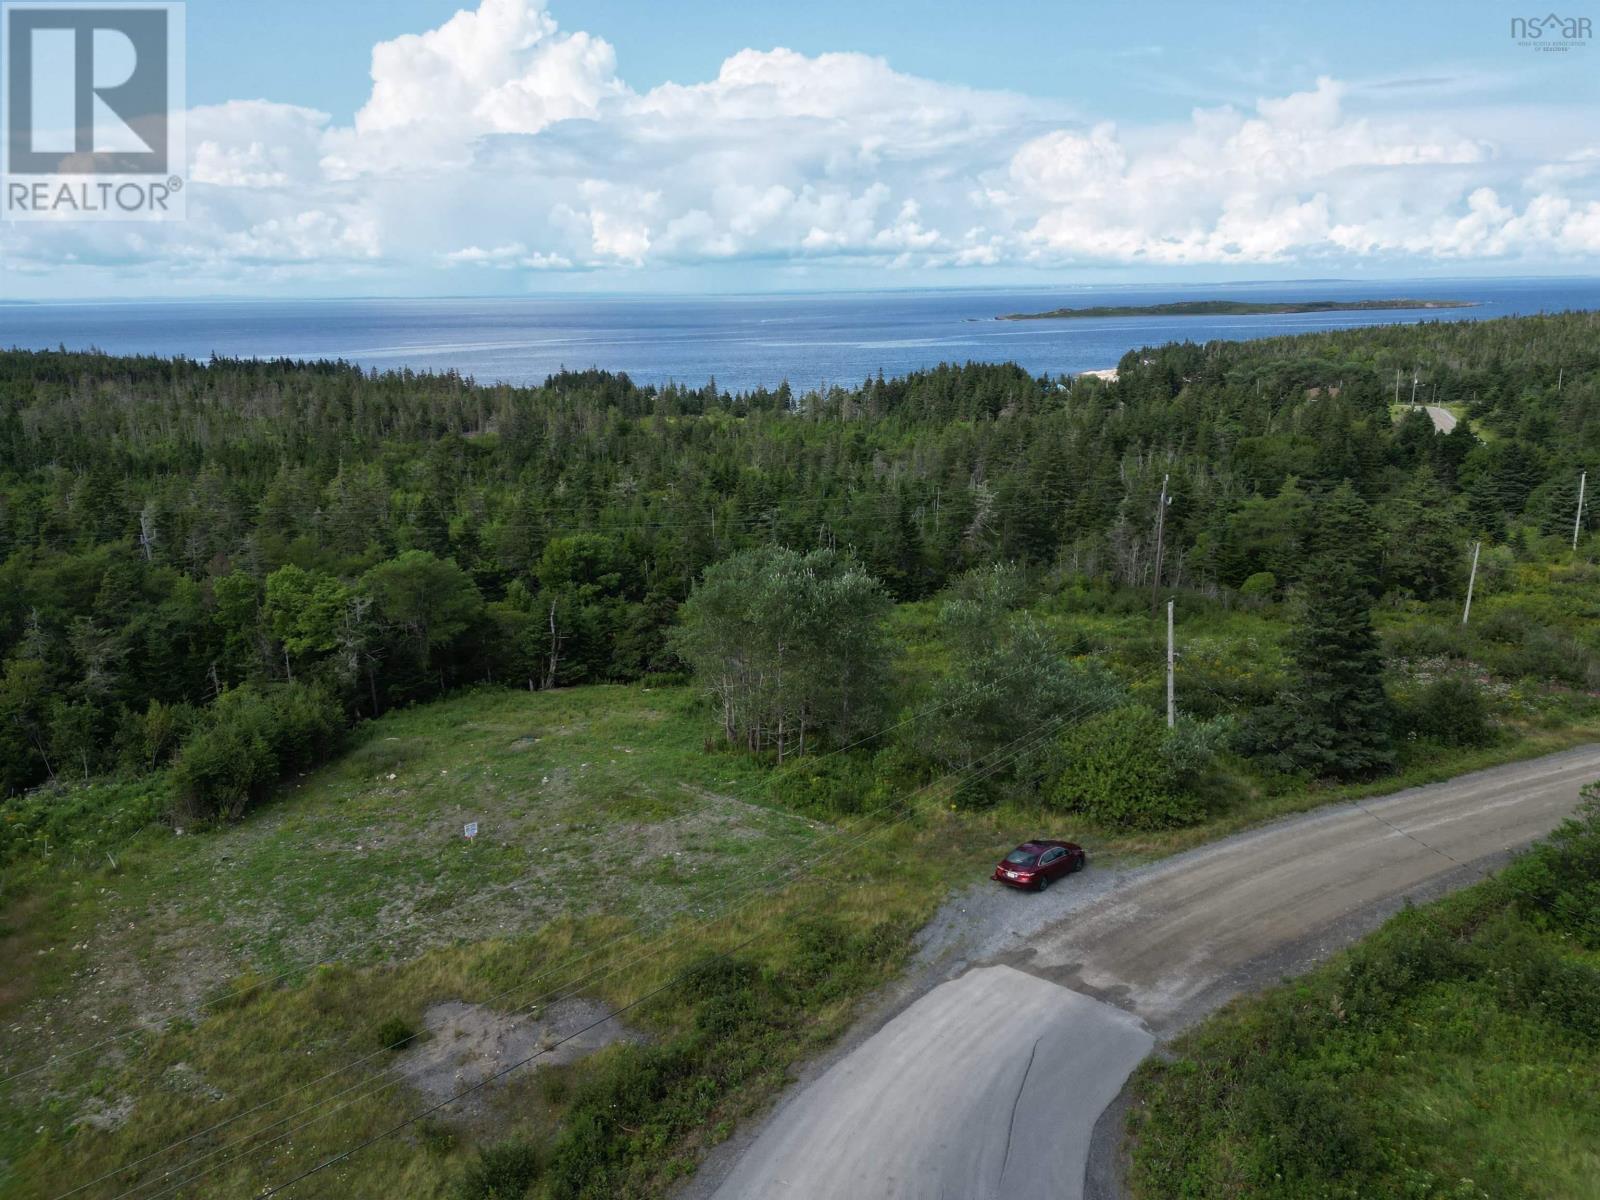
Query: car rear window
point(1022, 858)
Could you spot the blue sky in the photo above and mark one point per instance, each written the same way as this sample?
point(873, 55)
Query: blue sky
point(542, 145)
point(1130, 59)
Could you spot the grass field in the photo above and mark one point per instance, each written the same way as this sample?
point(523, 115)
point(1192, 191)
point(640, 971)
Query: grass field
point(590, 799)
point(602, 823)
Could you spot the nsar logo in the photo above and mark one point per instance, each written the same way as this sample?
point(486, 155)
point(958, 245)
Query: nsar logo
point(1551, 32)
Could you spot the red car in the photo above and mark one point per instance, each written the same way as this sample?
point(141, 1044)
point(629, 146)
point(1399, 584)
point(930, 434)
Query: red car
point(1039, 863)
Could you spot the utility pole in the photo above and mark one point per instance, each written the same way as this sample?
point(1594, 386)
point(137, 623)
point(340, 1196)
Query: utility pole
point(1397, 385)
point(1413, 388)
point(1472, 579)
point(1577, 521)
point(1172, 708)
point(147, 530)
point(1161, 529)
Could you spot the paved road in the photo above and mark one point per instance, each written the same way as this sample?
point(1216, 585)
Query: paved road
point(962, 1093)
point(991, 1083)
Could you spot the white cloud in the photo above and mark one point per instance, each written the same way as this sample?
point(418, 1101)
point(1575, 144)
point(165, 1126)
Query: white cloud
point(1298, 177)
point(503, 68)
point(254, 144)
point(498, 141)
point(506, 257)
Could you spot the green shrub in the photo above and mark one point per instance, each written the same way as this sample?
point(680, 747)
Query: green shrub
point(1451, 711)
point(394, 1034)
point(1116, 770)
point(1263, 585)
point(828, 786)
point(82, 822)
point(633, 1103)
point(830, 960)
point(1547, 654)
point(664, 679)
point(506, 1171)
point(839, 785)
point(1438, 1058)
point(149, 739)
point(253, 739)
point(659, 1091)
point(1425, 639)
point(1556, 885)
point(1505, 625)
point(1527, 639)
point(1005, 666)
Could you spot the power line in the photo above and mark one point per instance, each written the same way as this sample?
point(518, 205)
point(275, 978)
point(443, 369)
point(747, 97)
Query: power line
point(1006, 754)
point(794, 872)
point(482, 1083)
point(473, 897)
point(659, 922)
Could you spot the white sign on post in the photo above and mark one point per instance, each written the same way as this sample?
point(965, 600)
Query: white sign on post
point(471, 829)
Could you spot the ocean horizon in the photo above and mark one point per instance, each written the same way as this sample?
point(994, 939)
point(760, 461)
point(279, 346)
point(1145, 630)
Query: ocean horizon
point(809, 339)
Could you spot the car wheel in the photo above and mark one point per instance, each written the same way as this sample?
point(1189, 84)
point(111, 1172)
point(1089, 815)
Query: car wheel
point(1044, 882)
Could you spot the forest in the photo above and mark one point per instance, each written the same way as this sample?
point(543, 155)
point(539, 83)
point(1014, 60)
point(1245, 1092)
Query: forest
point(225, 564)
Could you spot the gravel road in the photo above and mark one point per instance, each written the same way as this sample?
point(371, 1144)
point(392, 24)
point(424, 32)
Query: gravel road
point(1443, 419)
point(987, 1071)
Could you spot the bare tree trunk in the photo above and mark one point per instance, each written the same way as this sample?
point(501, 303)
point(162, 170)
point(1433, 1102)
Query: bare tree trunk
point(38, 744)
point(555, 650)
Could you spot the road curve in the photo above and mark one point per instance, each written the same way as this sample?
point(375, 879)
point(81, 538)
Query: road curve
point(991, 1083)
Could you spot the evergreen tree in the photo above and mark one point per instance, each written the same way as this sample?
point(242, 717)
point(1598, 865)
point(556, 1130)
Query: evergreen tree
point(1335, 719)
point(1346, 530)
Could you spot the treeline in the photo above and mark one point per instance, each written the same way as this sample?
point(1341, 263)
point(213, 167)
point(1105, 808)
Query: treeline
point(172, 532)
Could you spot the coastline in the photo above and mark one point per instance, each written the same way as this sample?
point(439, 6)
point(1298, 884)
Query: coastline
point(1237, 308)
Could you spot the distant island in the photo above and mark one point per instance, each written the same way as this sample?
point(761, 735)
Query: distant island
point(1230, 308)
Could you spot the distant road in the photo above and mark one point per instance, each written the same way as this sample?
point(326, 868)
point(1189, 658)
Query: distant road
point(1443, 419)
point(991, 1084)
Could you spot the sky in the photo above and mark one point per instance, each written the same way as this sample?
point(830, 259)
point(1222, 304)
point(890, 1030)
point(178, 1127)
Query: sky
point(545, 146)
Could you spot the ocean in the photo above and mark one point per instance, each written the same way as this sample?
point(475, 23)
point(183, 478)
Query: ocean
point(741, 341)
